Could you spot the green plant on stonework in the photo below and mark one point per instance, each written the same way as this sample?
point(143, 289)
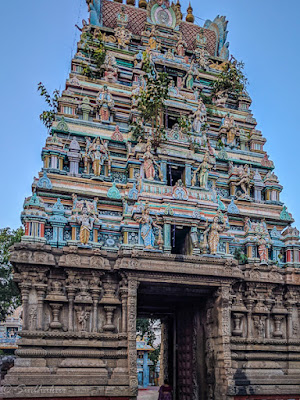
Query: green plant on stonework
point(151, 100)
point(137, 130)
point(206, 99)
point(9, 293)
point(219, 144)
point(47, 117)
point(185, 124)
point(231, 79)
point(240, 256)
point(96, 53)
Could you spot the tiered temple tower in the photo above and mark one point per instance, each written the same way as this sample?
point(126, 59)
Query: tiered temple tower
point(180, 218)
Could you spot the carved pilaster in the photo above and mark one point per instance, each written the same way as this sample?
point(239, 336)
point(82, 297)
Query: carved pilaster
point(95, 297)
point(40, 306)
point(124, 296)
point(25, 287)
point(164, 351)
point(71, 295)
point(132, 354)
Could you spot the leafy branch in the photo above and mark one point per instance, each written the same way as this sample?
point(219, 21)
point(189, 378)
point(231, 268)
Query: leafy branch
point(47, 117)
point(231, 79)
point(96, 53)
point(9, 294)
point(151, 100)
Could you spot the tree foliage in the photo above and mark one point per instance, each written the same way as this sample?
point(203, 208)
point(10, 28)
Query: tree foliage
point(47, 117)
point(145, 326)
point(231, 79)
point(9, 294)
point(95, 52)
point(151, 100)
point(240, 256)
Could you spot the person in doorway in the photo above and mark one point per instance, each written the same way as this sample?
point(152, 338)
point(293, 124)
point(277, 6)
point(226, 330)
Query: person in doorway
point(165, 391)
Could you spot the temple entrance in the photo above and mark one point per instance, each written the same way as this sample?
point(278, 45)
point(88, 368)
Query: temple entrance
point(182, 314)
point(181, 240)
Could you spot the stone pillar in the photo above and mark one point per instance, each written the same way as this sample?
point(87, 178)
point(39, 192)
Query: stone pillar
point(71, 296)
point(167, 238)
point(95, 297)
point(164, 350)
point(290, 322)
point(188, 175)
point(132, 353)
point(223, 370)
point(25, 287)
point(163, 167)
point(40, 307)
point(124, 295)
point(249, 305)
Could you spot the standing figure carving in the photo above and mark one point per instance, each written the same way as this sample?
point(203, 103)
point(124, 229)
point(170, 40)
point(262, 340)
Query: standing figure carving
point(199, 116)
point(99, 154)
point(189, 78)
point(106, 104)
point(149, 163)
point(244, 180)
point(212, 234)
point(147, 224)
point(86, 225)
point(203, 170)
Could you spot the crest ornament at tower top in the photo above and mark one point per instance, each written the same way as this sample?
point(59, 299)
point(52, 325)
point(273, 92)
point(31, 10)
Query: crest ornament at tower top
point(160, 12)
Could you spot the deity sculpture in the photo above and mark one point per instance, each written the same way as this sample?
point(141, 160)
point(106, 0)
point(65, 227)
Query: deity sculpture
point(221, 98)
point(172, 89)
point(138, 62)
point(99, 154)
point(244, 180)
point(86, 225)
point(263, 240)
point(111, 70)
point(147, 225)
point(231, 128)
point(83, 317)
point(189, 78)
point(123, 37)
point(203, 170)
point(200, 116)
point(153, 42)
point(106, 104)
point(180, 48)
point(149, 163)
point(213, 231)
point(202, 59)
point(201, 39)
point(263, 250)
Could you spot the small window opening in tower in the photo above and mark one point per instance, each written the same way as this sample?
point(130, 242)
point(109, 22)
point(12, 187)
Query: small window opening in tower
point(174, 173)
point(171, 121)
point(181, 240)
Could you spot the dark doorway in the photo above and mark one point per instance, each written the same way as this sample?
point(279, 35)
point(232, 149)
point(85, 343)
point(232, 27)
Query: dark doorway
point(182, 243)
point(182, 312)
point(174, 173)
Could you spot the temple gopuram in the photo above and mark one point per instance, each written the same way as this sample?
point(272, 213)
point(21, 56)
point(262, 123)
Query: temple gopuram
point(156, 198)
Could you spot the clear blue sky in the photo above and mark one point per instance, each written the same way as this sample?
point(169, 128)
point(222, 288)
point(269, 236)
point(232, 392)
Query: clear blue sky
point(38, 38)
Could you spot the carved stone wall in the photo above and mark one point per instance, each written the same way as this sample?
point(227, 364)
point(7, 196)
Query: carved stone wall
point(80, 308)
